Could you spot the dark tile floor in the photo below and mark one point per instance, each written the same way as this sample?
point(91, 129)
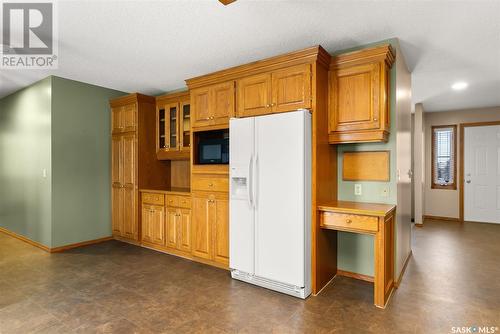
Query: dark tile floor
point(453, 279)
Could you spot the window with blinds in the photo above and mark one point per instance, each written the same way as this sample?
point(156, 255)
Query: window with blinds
point(444, 149)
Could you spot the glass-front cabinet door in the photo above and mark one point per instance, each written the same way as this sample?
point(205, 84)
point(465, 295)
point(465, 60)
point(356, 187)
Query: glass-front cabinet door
point(172, 111)
point(185, 126)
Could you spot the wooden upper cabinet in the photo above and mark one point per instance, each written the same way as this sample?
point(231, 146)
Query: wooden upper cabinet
point(124, 118)
point(212, 105)
point(281, 90)
point(254, 95)
point(291, 88)
point(173, 128)
point(359, 96)
point(222, 103)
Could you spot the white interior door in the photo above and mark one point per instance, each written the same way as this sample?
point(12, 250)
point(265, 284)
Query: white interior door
point(280, 195)
point(482, 174)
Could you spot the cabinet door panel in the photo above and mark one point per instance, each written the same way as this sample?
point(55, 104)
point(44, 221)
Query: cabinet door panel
point(185, 230)
point(117, 209)
point(222, 105)
point(116, 160)
point(254, 95)
point(172, 227)
point(185, 126)
point(157, 225)
point(116, 119)
point(200, 231)
point(291, 88)
point(129, 117)
point(171, 127)
point(355, 98)
point(129, 213)
point(146, 223)
point(221, 231)
point(129, 160)
point(200, 99)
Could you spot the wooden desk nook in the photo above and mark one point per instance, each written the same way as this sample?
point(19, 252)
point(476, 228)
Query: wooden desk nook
point(367, 218)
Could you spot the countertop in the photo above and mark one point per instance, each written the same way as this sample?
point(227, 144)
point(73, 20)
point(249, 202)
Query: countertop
point(173, 191)
point(368, 209)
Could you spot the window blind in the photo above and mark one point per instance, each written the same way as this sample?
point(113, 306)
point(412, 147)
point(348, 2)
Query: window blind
point(444, 156)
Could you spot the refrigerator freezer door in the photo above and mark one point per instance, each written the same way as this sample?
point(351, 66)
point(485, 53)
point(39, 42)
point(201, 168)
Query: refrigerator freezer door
point(241, 211)
point(280, 196)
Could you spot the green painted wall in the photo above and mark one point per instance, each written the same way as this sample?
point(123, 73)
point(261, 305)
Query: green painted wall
point(62, 126)
point(355, 251)
point(81, 161)
point(25, 146)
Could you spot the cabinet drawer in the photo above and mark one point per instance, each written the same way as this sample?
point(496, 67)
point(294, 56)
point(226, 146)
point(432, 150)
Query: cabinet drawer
point(152, 198)
point(347, 221)
point(179, 201)
point(211, 183)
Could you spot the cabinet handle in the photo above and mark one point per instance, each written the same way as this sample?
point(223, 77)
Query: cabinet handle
point(210, 184)
point(348, 221)
point(375, 119)
point(273, 104)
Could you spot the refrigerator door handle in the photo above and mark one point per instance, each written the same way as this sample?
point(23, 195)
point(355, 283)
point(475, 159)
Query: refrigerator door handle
point(249, 182)
point(255, 179)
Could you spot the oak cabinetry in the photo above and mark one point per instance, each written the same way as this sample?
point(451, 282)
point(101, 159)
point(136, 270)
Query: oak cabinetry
point(133, 162)
point(179, 223)
point(213, 105)
point(211, 226)
point(373, 219)
point(153, 224)
point(281, 90)
point(359, 95)
point(173, 126)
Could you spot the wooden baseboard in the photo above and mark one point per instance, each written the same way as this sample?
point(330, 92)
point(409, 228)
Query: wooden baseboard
point(398, 281)
point(55, 249)
point(26, 240)
point(79, 244)
point(450, 219)
point(355, 275)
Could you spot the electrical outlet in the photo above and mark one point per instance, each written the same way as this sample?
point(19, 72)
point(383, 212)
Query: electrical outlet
point(358, 191)
point(384, 192)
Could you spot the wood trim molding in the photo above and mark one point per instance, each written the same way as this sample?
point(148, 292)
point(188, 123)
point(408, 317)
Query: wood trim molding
point(55, 249)
point(452, 186)
point(131, 98)
point(26, 240)
point(461, 163)
point(379, 53)
point(79, 244)
point(400, 278)
point(184, 94)
point(450, 219)
point(308, 55)
point(355, 275)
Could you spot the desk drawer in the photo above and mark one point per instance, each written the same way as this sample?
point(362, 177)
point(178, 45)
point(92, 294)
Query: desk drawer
point(348, 221)
point(152, 198)
point(211, 183)
point(179, 201)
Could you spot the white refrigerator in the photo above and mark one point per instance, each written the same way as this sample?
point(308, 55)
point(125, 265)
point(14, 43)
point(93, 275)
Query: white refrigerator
point(270, 201)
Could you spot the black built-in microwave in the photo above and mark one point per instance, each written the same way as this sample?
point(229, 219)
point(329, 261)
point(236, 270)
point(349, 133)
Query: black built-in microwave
point(213, 151)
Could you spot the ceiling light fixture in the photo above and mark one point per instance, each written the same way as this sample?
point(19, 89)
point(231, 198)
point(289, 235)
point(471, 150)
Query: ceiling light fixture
point(459, 85)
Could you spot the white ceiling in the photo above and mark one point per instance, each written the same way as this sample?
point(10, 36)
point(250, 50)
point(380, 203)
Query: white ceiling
point(151, 47)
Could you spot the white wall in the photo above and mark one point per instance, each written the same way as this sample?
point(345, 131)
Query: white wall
point(418, 162)
point(441, 202)
point(403, 164)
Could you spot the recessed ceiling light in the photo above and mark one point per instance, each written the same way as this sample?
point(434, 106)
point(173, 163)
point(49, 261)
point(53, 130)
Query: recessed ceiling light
point(459, 85)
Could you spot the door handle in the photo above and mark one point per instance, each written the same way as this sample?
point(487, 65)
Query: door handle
point(249, 182)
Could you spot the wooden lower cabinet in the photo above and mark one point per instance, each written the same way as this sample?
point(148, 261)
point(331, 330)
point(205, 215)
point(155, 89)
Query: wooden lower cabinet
point(153, 224)
point(210, 227)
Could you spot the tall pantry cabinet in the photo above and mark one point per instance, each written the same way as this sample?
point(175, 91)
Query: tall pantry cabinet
point(132, 150)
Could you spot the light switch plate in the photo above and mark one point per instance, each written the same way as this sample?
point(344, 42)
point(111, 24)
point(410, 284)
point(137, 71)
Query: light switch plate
point(358, 191)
